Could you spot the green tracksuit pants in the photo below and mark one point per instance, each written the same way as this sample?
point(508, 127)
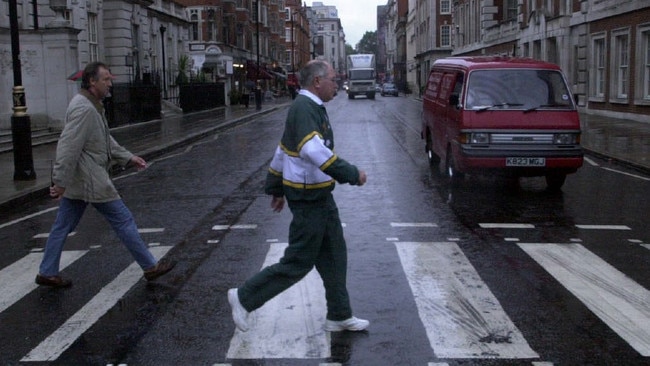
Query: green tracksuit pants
point(315, 239)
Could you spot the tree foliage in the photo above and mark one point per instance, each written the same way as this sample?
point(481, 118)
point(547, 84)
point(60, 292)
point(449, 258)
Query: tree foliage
point(368, 43)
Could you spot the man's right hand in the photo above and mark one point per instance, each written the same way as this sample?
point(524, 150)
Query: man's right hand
point(56, 192)
point(362, 178)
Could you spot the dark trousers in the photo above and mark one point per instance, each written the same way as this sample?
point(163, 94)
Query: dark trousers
point(315, 239)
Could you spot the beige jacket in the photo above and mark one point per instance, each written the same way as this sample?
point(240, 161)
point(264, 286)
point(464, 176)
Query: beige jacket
point(86, 151)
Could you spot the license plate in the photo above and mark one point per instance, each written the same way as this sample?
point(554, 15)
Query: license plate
point(525, 162)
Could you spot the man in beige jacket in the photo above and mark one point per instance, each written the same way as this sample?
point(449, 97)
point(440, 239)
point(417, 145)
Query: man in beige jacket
point(84, 155)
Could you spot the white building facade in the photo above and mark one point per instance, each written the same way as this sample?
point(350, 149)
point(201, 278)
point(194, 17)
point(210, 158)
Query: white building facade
point(66, 35)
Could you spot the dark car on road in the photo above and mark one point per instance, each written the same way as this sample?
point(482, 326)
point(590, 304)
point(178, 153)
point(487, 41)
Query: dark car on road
point(388, 89)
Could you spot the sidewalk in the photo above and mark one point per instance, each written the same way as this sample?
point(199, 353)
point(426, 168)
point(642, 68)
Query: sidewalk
point(624, 141)
point(147, 139)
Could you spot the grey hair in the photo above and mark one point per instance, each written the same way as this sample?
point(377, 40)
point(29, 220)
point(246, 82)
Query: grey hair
point(313, 69)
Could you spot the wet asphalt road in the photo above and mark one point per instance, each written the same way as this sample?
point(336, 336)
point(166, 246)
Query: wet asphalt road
point(436, 270)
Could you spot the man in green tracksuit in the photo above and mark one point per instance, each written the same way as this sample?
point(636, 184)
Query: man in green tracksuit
point(304, 170)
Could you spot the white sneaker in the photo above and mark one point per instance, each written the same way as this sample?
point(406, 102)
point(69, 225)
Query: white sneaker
point(352, 324)
point(239, 314)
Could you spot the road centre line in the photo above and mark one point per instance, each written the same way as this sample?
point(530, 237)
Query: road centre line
point(461, 316)
point(239, 226)
point(615, 298)
point(413, 224)
point(17, 280)
point(61, 339)
point(488, 225)
point(288, 326)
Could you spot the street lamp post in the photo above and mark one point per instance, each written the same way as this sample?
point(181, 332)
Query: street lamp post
point(162, 40)
point(21, 130)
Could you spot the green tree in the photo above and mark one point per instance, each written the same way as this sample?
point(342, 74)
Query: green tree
point(368, 43)
point(348, 49)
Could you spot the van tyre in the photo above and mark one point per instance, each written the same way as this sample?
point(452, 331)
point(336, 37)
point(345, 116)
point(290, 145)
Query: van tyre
point(455, 177)
point(434, 160)
point(555, 181)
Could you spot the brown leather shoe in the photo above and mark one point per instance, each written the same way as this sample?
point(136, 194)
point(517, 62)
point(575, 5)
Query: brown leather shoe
point(160, 269)
point(54, 281)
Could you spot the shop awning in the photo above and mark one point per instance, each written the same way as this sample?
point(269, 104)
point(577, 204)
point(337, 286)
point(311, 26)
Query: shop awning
point(254, 73)
point(279, 74)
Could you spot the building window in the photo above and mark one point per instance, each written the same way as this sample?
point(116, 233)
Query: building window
point(597, 69)
point(445, 6)
point(644, 65)
point(620, 64)
point(510, 10)
point(93, 47)
point(194, 19)
point(211, 26)
point(445, 36)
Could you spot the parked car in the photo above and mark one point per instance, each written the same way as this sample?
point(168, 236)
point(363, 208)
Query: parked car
point(496, 114)
point(388, 89)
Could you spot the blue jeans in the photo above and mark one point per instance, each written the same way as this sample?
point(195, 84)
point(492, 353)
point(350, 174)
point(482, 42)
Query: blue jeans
point(117, 214)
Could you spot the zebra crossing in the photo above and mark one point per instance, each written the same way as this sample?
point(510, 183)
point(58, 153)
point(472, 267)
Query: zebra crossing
point(461, 317)
point(17, 281)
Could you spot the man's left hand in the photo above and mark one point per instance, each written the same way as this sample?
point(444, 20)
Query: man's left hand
point(139, 162)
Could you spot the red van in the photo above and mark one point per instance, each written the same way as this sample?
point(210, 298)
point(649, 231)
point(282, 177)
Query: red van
point(499, 114)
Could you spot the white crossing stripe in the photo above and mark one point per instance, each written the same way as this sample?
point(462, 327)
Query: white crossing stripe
point(489, 225)
point(54, 345)
point(603, 227)
point(615, 298)
point(462, 318)
point(288, 326)
point(17, 280)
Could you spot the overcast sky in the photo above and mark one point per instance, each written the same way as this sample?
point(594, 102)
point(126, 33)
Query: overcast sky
point(357, 17)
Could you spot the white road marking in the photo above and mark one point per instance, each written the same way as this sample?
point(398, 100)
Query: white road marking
point(413, 224)
point(647, 246)
point(603, 227)
point(151, 230)
point(244, 226)
point(591, 162)
point(289, 325)
point(488, 225)
point(240, 226)
point(461, 316)
point(615, 298)
point(47, 235)
point(17, 280)
point(628, 174)
point(635, 241)
point(54, 345)
point(28, 217)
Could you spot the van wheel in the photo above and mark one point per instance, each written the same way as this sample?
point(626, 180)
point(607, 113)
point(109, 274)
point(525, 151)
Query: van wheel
point(350, 96)
point(434, 159)
point(555, 181)
point(453, 174)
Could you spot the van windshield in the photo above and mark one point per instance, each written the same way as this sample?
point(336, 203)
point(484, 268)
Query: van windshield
point(366, 74)
point(521, 89)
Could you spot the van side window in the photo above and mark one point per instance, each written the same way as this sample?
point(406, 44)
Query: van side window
point(433, 85)
point(447, 84)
